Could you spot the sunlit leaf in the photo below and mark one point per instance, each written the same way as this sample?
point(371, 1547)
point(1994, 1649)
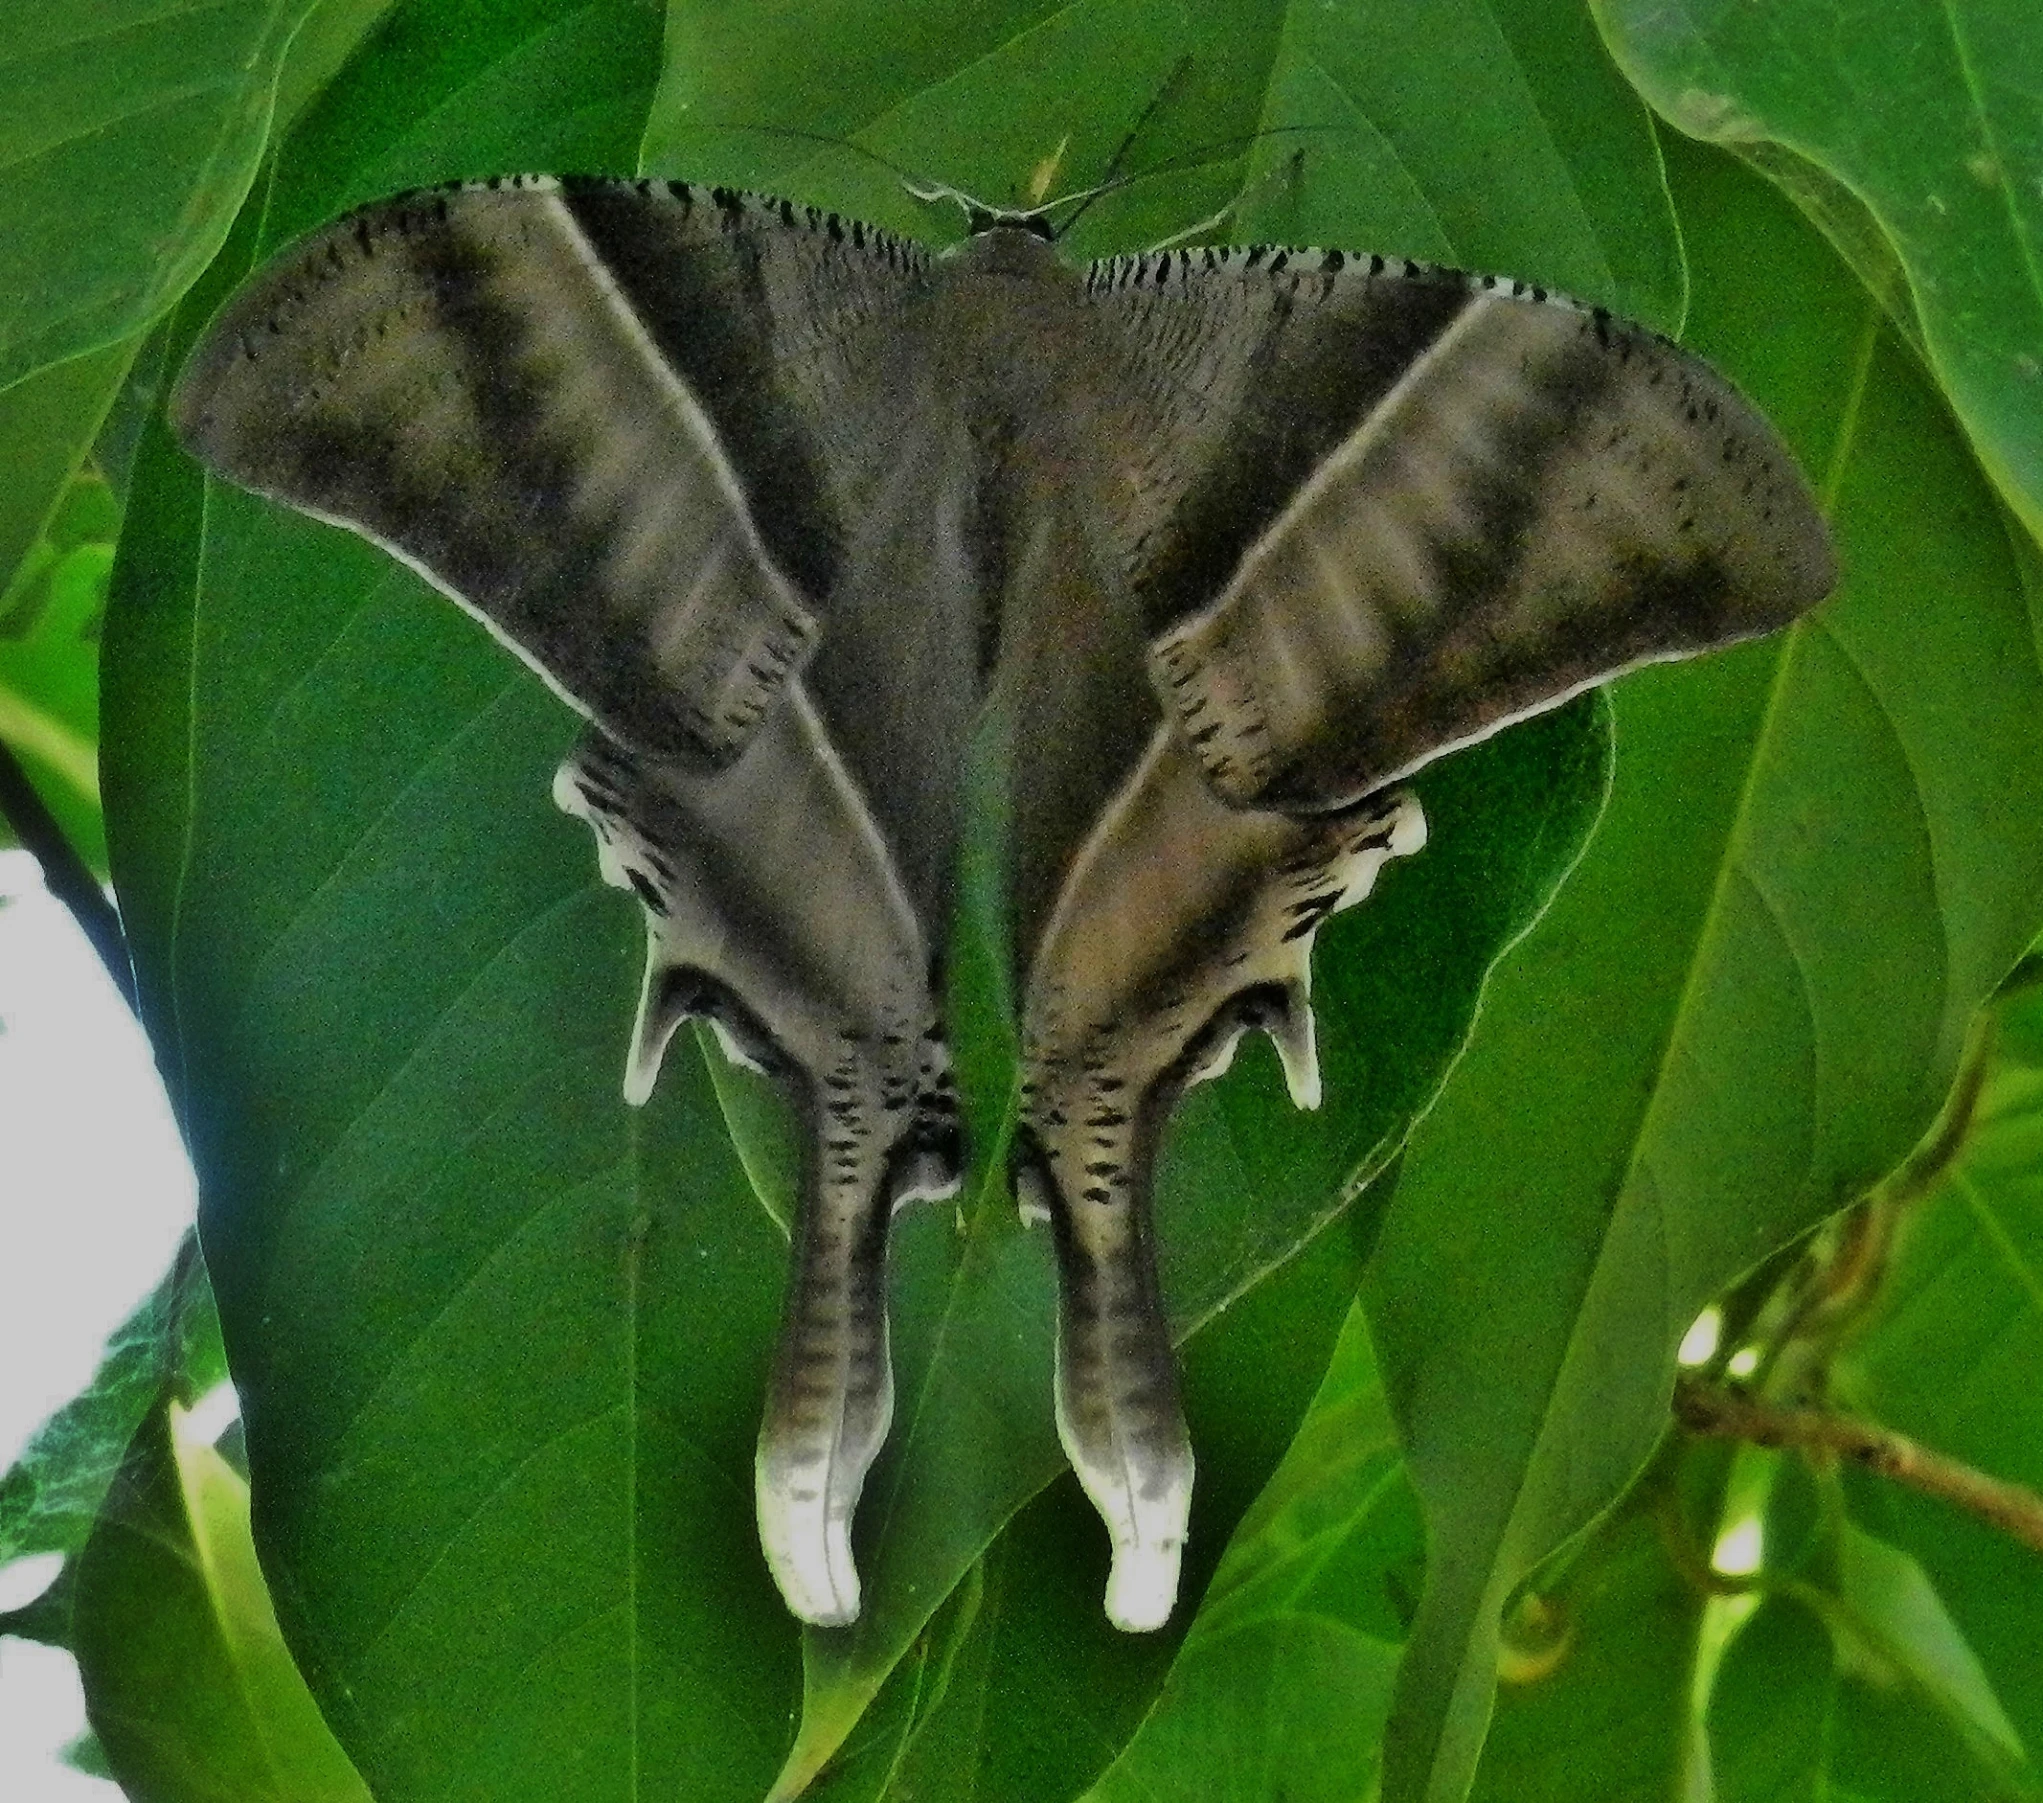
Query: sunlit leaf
point(190, 1690)
point(51, 1495)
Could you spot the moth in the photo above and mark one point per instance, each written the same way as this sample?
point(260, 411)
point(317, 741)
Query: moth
point(1219, 544)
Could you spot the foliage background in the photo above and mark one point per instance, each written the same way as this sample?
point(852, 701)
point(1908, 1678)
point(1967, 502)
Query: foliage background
point(499, 1342)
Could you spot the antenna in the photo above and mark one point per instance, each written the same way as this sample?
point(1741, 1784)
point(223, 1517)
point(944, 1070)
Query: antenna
point(1197, 154)
point(1113, 178)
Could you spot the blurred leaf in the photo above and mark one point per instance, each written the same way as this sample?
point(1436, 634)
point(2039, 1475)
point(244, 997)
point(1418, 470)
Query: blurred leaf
point(46, 1617)
point(1798, 1715)
point(1769, 1712)
point(1952, 1359)
point(49, 664)
point(55, 539)
point(188, 1685)
point(1598, 1709)
point(52, 1494)
point(1336, 1530)
point(1891, 1602)
point(46, 426)
point(85, 1754)
point(1722, 1030)
point(131, 133)
point(1928, 116)
point(1288, 1706)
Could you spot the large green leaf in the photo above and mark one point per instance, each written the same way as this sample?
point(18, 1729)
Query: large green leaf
point(129, 132)
point(190, 1690)
point(1820, 854)
point(1924, 115)
point(462, 1286)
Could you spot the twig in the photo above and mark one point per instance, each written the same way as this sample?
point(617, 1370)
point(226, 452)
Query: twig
point(65, 874)
point(1713, 1409)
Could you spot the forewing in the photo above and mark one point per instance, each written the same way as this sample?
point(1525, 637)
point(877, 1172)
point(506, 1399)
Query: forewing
point(1415, 506)
point(588, 411)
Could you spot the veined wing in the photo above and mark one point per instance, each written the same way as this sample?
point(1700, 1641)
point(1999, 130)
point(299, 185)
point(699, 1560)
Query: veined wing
point(1413, 506)
point(596, 413)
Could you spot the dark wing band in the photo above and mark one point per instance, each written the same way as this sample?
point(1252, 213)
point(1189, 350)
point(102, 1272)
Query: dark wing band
point(482, 381)
point(1540, 497)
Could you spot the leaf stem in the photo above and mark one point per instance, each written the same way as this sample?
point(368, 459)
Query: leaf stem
point(1724, 1413)
point(65, 873)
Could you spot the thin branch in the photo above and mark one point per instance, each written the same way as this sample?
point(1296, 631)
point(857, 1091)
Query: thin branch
point(65, 873)
point(1724, 1413)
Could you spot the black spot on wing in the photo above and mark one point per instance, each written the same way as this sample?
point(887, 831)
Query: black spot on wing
point(1503, 498)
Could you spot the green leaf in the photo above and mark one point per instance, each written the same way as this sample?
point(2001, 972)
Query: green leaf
point(47, 425)
point(188, 1686)
point(1893, 1605)
point(1770, 1707)
point(52, 584)
point(1290, 1706)
point(1928, 117)
point(1489, 131)
point(1951, 1361)
point(49, 685)
point(1800, 1714)
point(1598, 1710)
point(131, 133)
point(1067, 1689)
point(1723, 1029)
point(500, 1340)
point(52, 1494)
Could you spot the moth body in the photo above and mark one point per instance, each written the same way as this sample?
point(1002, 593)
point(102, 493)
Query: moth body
point(1215, 548)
